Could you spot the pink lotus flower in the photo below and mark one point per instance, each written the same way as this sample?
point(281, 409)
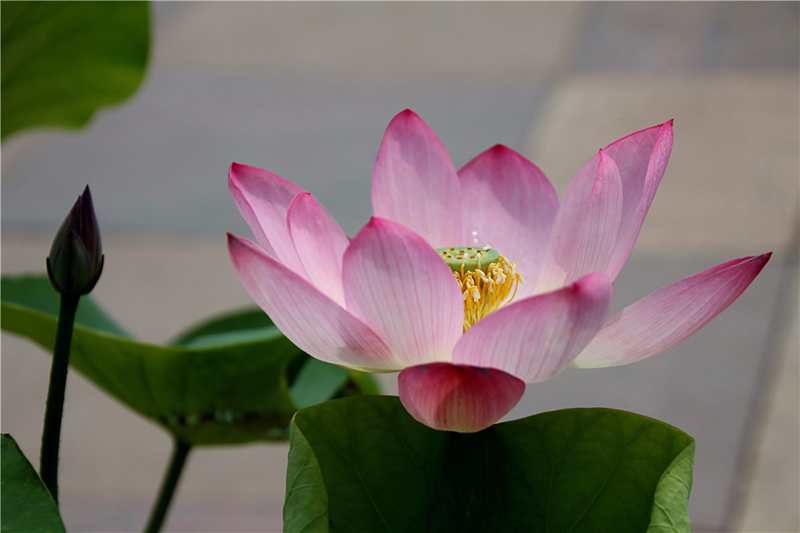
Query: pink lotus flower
point(474, 282)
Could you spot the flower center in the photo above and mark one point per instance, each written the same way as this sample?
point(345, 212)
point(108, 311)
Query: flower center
point(487, 279)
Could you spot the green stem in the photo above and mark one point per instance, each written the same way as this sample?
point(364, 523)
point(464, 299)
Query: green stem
point(51, 434)
point(171, 477)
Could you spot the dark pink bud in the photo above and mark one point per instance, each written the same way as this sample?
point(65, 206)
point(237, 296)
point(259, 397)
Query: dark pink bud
point(76, 256)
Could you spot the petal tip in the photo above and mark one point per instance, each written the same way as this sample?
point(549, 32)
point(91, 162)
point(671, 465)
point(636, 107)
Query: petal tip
point(500, 148)
point(234, 170)
point(406, 115)
point(494, 155)
point(236, 248)
point(408, 121)
point(243, 175)
point(238, 174)
point(381, 224)
point(759, 262)
point(374, 222)
point(301, 197)
point(606, 163)
point(500, 151)
point(236, 243)
point(667, 132)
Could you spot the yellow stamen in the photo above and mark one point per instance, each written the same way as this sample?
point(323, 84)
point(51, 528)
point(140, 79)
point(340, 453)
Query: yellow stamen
point(488, 280)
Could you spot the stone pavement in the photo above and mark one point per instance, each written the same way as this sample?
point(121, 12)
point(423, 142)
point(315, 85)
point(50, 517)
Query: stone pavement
point(306, 90)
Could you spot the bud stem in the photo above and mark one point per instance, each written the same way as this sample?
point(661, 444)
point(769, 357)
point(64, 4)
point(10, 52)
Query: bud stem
point(51, 435)
point(168, 486)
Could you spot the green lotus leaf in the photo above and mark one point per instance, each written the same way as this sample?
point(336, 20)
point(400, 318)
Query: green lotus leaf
point(61, 61)
point(25, 503)
point(363, 464)
point(232, 379)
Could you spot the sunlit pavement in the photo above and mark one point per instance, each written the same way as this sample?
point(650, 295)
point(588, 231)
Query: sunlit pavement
point(306, 90)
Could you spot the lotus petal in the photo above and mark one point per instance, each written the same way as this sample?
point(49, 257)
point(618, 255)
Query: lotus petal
point(415, 183)
point(308, 317)
point(670, 315)
point(537, 338)
point(400, 287)
point(320, 244)
point(458, 397)
point(263, 199)
point(509, 204)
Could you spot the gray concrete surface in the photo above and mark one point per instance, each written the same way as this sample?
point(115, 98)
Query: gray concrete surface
point(306, 90)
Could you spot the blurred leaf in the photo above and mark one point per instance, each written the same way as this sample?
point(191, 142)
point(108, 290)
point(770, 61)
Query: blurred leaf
point(225, 382)
point(61, 61)
point(312, 381)
point(317, 382)
point(363, 464)
point(32, 292)
point(249, 320)
point(25, 502)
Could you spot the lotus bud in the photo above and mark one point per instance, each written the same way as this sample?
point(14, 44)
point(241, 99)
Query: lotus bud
point(76, 256)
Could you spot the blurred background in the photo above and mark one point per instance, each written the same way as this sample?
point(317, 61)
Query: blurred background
point(306, 90)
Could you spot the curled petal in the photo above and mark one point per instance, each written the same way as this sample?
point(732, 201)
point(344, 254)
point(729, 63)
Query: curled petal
point(399, 286)
point(509, 204)
point(458, 398)
point(670, 315)
point(414, 182)
point(320, 244)
point(536, 338)
point(263, 199)
point(641, 159)
point(308, 318)
point(598, 234)
point(586, 228)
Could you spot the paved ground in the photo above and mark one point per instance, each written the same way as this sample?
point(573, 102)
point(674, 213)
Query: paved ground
point(306, 90)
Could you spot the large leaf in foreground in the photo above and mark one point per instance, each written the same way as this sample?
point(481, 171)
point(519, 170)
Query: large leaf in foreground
point(363, 464)
point(225, 381)
point(25, 502)
point(63, 60)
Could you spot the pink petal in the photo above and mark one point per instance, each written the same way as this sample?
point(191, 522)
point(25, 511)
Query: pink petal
point(400, 287)
point(586, 227)
point(309, 318)
point(670, 315)
point(320, 244)
point(509, 204)
point(457, 397)
point(536, 338)
point(263, 199)
point(642, 160)
point(414, 182)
